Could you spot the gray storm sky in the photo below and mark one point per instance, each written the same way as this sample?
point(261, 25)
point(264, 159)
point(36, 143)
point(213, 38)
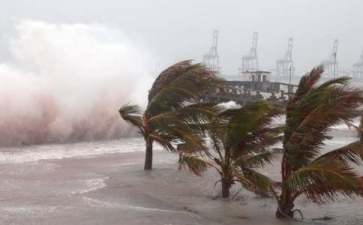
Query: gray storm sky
point(174, 30)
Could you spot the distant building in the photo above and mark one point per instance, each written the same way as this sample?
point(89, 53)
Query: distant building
point(256, 86)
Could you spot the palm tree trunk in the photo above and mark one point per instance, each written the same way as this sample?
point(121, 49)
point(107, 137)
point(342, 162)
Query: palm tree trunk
point(361, 129)
point(148, 154)
point(286, 201)
point(285, 209)
point(226, 186)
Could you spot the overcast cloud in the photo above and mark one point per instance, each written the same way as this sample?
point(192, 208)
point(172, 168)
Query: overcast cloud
point(174, 30)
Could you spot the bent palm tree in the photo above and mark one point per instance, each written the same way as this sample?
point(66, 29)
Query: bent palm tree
point(173, 108)
point(239, 138)
point(309, 115)
point(360, 129)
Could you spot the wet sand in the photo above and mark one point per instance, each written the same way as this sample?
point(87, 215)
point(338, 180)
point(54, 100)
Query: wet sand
point(113, 189)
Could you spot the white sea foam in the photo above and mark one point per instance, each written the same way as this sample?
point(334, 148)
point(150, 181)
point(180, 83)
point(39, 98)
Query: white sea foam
point(39, 211)
point(76, 150)
point(92, 185)
point(106, 204)
point(65, 82)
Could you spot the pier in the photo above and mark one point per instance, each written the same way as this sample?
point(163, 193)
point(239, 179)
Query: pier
point(256, 87)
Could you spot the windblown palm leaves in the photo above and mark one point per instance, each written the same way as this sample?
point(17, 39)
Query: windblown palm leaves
point(239, 138)
point(310, 114)
point(174, 110)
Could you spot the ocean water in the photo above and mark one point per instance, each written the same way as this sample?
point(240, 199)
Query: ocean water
point(341, 135)
point(103, 183)
point(74, 150)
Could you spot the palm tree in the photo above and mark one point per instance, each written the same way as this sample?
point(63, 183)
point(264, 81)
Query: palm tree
point(360, 128)
point(310, 114)
point(239, 138)
point(174, 106)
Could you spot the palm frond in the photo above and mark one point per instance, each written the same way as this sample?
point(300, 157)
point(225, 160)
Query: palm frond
point(256, 182)
point(261, 138)
point(164, 140)
point(178, 129)
point(360, 128)
point(197, 115)
point(168, 75)
point(197, 111)
point(310, 116)
point(249, 128)
point(307, 82)
point(242, 121)
point(350, 153)
point(257, 160)
point(188, 85)
point(132, 114)
point(194, 163)
point(336, 81)
point(323, 179)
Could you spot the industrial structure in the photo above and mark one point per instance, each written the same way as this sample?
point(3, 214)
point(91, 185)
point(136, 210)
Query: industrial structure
point(357, 72)
point(257, 87)
point(331, 64)
point(250, 61)
point(253, 84)
point(211, 59)
point(285, 66)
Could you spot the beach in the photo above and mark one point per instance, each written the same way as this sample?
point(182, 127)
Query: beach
point(108, 186)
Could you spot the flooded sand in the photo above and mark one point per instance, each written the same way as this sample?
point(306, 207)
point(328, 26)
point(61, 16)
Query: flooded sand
point(108, 186)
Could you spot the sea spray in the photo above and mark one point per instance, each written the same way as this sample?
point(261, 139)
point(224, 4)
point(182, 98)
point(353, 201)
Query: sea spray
point(65, 83)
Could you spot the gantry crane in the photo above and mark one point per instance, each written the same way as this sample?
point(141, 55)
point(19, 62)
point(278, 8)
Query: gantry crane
point(250, 61)
point(211, 59)
point(331, 64)
point(285, 66)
